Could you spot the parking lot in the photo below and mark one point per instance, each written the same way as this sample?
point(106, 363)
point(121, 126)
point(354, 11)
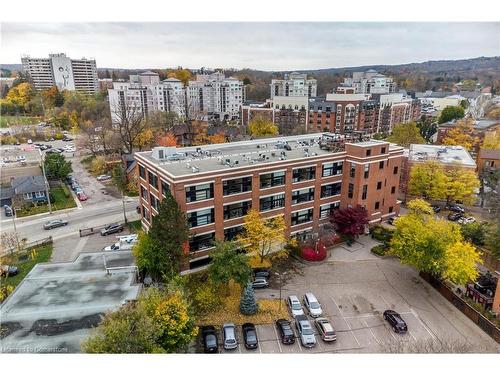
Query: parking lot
point(354, 294)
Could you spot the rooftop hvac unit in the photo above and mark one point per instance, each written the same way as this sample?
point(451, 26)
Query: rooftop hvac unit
point(236, 162)
point(195, 169)
point(306, 154)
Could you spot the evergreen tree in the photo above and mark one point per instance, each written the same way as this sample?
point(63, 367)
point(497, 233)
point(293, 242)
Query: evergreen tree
point(248, 304)
point(169, 231)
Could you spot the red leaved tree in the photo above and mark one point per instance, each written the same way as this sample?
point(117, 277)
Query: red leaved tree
point(350, 221)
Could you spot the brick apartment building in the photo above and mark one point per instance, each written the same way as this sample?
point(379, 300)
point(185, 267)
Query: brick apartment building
point(301, 177)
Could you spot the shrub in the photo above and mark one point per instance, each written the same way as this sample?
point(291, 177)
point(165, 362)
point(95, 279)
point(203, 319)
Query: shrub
point(382, 234)
point(379, 250)
point(205, 298)
point(313, 252)
point(98, 166)
point(58, 136)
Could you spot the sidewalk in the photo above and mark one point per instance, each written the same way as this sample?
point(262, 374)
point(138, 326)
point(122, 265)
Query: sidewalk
point(359, 250)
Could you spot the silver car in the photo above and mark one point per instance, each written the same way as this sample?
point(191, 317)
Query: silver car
point(305, 331)
point(229, 336)
point(312, 305)
point(55, 224)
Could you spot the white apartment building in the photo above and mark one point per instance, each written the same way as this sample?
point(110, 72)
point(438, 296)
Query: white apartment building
point(369, 82)
point(63, 72)
point(214, 96)
point(294, 84)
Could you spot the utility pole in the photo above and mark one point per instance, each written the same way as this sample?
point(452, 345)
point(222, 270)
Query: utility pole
point(15, 229)
point(123, 204)
point(45, 181)
point(280, 275)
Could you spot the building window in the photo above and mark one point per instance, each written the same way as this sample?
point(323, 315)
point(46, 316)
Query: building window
point(367, 170)
point(238, 185)
point(144, 193)
point(377, 205)
point(145, 214)
point(350, 192)
point(381, 165)
point(199, 192)
point(234, 210)
point(28, 195)
point(39, 194)
point(368, 152)
point(390, 209)
point(165, 188)
point(326, 210)
point(302, 217)
point(382, 151)
point(332, 169)
point(272, 202)
point(154, 202)
point(142, 172)
point(272, 179)
point(379, 185)
point(352, 172)
point(330, 190)
point(365, 192)
point(202, 217)
point(201, 242)
point(303, 236)
point(395, 170)
point(301, 196)
point(393, 189)
point(230, 234)
point(153, 180)
point(304, 174)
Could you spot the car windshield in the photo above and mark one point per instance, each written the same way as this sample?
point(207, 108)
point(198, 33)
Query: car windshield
point(307, 331)
point(314, 305)
point(296, 306)
point(251, 337)
point(210, 340)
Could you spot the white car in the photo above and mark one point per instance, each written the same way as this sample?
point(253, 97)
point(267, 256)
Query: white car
point(312, 305)
point(294, 306)
point(466, 220)
point(30, 141)
point(20, 158)
point(103, 177)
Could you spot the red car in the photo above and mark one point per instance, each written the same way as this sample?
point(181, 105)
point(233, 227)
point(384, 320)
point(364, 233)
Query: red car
point(82, 197)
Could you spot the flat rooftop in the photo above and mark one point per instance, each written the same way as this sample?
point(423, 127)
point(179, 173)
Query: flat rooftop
point(443, 154)
point(226, 156)
point(56, 305)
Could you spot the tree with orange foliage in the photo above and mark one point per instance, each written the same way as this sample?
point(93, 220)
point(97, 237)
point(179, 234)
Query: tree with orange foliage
point(168, 140)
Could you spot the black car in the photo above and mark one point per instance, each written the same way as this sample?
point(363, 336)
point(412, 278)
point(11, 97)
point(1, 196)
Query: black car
point(436, 208)
point(285, 331)
point(262, 272)
point(455, 208)
point(209, 338)
point(67, 139)
point(111, 228)
point(454, 216)
point(250, 336)
point(397, 323)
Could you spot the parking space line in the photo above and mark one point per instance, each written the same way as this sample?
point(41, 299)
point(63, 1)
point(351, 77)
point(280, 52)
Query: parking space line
point(413, 337)
point(277, 339)
point(387, 303)
point(260, 350)
point(352, 333)
point(369, 329)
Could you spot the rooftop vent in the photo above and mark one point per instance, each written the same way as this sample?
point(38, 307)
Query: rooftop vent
point(195, 169)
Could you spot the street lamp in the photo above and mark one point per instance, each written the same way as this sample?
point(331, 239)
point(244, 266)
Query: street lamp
point(280, 275)
point(45, 180)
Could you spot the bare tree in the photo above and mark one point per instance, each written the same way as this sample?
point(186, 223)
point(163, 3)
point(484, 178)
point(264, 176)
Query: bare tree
point(129, 122)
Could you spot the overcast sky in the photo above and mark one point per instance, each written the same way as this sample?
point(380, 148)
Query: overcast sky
point(264, 46)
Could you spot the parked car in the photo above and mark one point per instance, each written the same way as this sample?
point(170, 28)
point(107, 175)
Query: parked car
point(436, 208)
point(20, 158)
point(285, 331)
point(209, 339)
point(78, 190)
point(260, 282)
point(103, 177)
point(312, 305)
point(29, 141)
point(82, 196)
point(229, 336)
point(454, 216)
point(250, 336)
point(305, 331)
point(455, 208)
point(397, 323)
point(138, 209)
point(67, 139)
point(325, 329)
point(262, 272)
point(6, 270)
point(466, 220)
point(111, 228)
point(294, 306)
point(8, 210)
point(55, 224)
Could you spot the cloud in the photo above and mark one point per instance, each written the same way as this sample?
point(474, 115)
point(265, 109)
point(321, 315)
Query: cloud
point(266, 46)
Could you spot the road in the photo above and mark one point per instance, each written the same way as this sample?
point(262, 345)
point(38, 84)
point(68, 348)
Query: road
point(89, 216)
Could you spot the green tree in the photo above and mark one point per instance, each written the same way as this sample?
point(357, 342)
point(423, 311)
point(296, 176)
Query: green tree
point(229, 264)
point(56, 166)
point(493, 240)
point(127, 330)
point(150, 258)
point(427, 180)
point(461, 185)
point(52, 97)
point(259, 127)
point(451, 113)
point(406, 134)
point(427, 129)
point(169, 231)
point(119, 178)
point(248, 304)
point(474, 233)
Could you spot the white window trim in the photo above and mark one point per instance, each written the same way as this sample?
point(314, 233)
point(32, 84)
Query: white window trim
point(200, 183)
point(271, 195)
point(301, 230)
point(303, 209)
point(229, 203)
point(235, 178)
point(200, 209)
point(307, 187)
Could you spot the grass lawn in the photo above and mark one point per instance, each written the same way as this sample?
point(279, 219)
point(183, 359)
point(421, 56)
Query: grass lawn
point(6, 121)
point(40, 255)
point(62, 199)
